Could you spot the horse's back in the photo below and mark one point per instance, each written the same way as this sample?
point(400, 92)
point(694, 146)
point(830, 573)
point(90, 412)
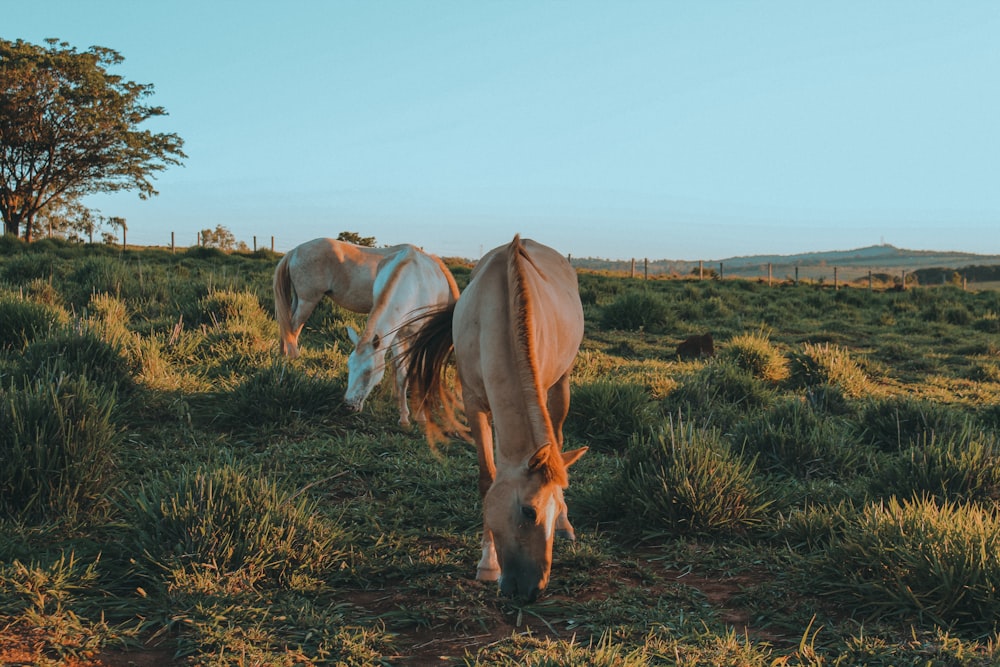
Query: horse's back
point(343, 270)
point(485, 320)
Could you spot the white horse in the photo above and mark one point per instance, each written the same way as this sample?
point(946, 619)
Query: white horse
point(391, 284)
point(515, 333)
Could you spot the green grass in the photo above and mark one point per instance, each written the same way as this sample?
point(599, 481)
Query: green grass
point(823, 492)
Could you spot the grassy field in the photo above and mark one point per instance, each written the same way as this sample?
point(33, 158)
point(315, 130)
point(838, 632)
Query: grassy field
point(822, 491)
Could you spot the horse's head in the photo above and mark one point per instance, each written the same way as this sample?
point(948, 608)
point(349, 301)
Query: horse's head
point(365, 368)
point(523, 509)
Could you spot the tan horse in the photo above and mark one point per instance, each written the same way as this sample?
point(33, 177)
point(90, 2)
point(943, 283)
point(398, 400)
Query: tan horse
point(515, 332)
point(391, 284)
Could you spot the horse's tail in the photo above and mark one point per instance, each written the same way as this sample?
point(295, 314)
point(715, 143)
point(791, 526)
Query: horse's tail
point(427, 358)
point(282, 284)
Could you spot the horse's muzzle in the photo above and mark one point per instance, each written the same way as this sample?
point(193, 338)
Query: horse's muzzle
point(514, 588)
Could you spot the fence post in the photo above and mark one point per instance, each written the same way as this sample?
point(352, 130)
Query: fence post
point(631, 273)
point(272, 244)
point(836, 285)
point(769, 274)
point(172, 247)
point(903, 280)
point(255, 243)
point(701, 270)
point(645, 268)
point(721, 274)
point(796, 275)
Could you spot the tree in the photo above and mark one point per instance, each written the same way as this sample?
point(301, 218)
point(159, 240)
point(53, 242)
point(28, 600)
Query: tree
point(70, 128)
point(221, 238)
point(357, 239)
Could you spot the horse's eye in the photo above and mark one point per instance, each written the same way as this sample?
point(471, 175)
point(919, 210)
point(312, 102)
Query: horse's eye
point(529, 513)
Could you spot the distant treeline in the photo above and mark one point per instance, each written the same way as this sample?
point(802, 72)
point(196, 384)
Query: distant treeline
point(972, 274)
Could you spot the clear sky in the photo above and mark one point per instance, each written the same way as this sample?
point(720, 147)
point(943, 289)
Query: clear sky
point(667, 129)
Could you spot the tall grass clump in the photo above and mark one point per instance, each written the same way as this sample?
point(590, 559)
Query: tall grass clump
point(920, 558)
point(279, 395)
point(899, 422)
point(606, 414)
point(239, 334)
point(959, 466)
point(754, 353)
point(635, 311)
point(792, 438)
point(719, 392)
point(77, 354)
point(23, 321)
point(683, 480)
point(825, 364)
point(58, 445)
point(235, 522)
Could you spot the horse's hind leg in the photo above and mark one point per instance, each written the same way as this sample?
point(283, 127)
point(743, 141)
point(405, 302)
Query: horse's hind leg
point(301, 311)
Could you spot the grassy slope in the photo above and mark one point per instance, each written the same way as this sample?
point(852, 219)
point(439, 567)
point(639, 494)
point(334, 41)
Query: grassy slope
point(400, 523)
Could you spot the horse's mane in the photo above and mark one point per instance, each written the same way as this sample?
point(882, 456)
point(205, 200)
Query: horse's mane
point(522, 310)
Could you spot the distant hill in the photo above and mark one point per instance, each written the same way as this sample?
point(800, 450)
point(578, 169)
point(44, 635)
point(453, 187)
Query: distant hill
point(850, 264)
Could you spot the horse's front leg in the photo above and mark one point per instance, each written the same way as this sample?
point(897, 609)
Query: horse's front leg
point(401, 402)
point(558, 405)
point(479, 424)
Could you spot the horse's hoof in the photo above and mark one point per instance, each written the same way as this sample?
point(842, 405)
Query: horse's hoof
point(487, 575)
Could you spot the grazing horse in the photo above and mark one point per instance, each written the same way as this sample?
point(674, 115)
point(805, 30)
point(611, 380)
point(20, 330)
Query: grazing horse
point(391, 284)
point(515, 332)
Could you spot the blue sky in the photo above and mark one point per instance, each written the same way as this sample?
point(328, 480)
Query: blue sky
point(678, 130)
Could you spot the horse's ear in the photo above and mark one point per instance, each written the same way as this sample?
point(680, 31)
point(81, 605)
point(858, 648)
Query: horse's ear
point(540, 458)
point(352, 335)
point(569, 458)
point(376, 341)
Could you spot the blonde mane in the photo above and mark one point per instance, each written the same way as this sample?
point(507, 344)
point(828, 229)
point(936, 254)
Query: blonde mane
point(522, 309)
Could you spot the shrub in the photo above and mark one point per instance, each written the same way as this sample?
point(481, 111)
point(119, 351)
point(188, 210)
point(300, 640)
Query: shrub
point(938, 561)
point(234, 521)
point(961, 465)
point(793, 438)
point(57, 444)
point(22, 321)
point(686, 480)
point(635, 311)
point(756, 354)
point(825, 364)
